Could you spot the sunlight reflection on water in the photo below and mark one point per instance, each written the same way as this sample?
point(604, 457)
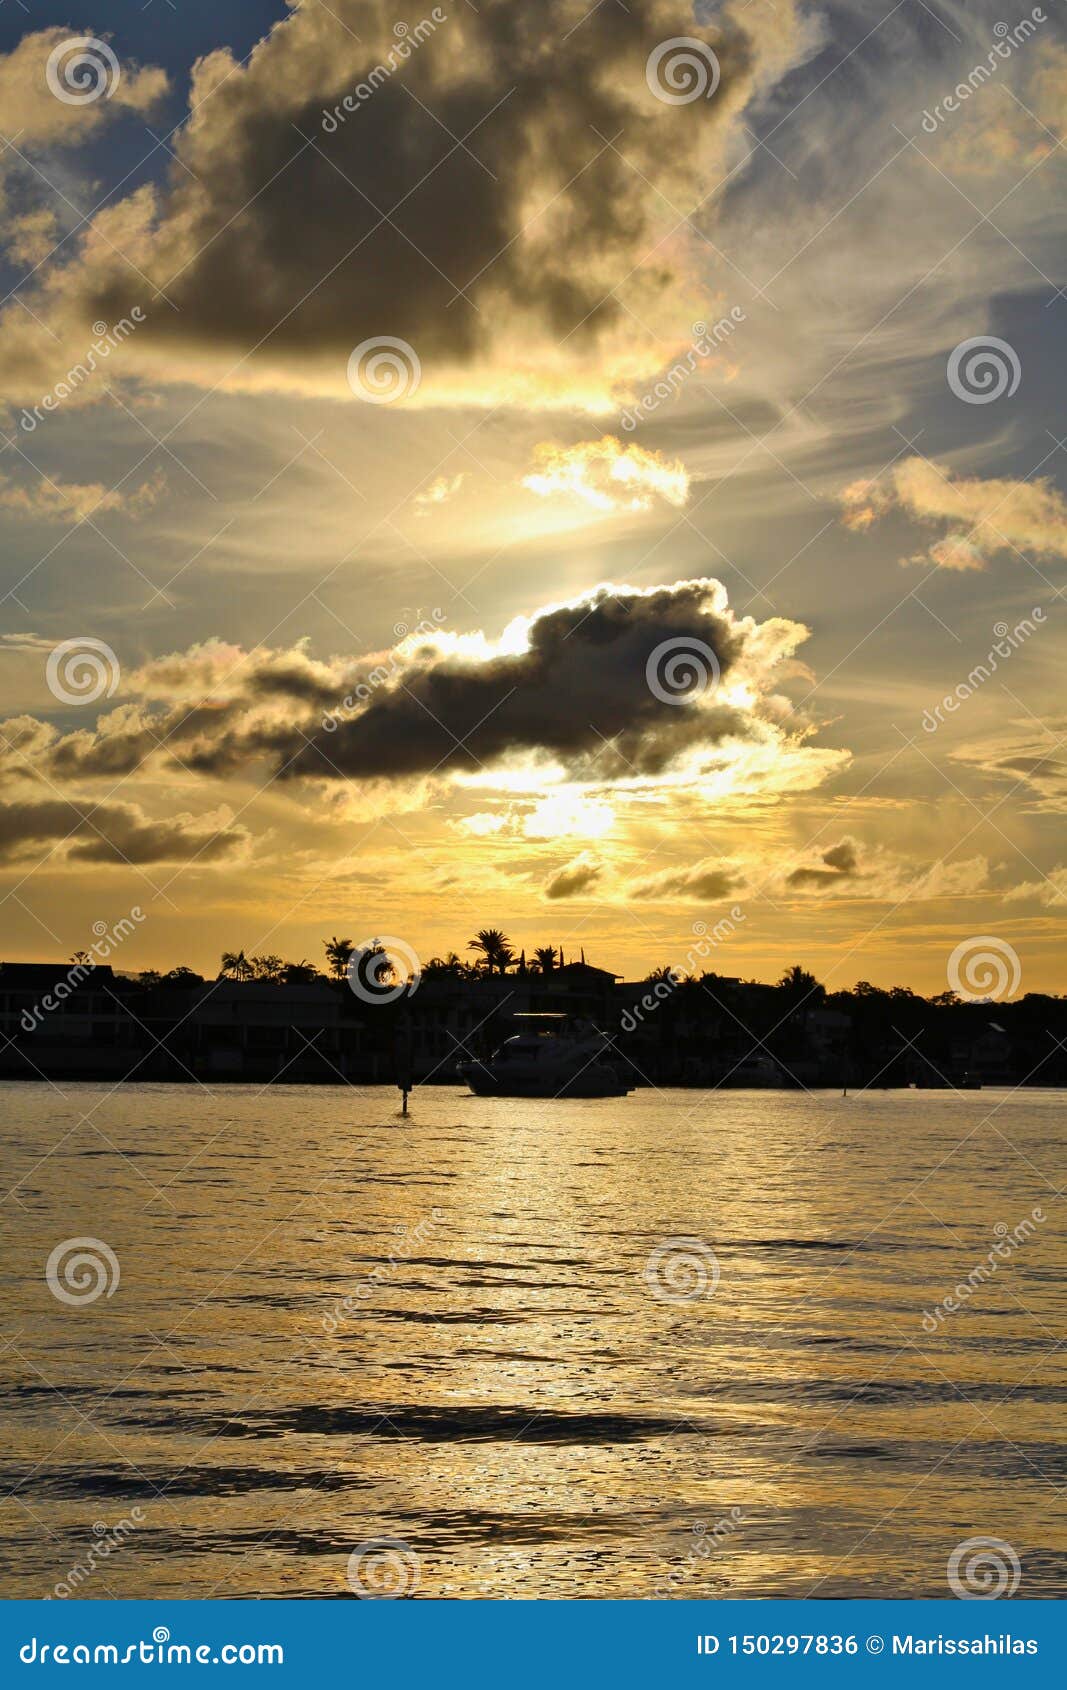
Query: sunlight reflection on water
point(334, 1326)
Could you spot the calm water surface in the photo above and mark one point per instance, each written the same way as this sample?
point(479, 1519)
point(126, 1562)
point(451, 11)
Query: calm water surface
point(334, 1326)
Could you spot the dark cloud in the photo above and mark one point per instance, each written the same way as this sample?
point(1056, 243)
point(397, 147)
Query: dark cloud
point(579, 695)
point(122, 749)
point(112, 833)
point(574, 878)
point(839, 863)
point(622, 685)
point(299, 238)
point(706, 881)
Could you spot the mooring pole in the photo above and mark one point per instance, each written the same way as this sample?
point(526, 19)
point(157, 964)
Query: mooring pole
point(402, 1050)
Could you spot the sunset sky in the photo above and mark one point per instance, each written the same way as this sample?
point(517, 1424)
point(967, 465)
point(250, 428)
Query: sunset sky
point(554, 492)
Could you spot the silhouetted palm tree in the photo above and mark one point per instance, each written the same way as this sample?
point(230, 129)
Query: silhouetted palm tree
point(545, 958)
point(300, 973)
point(373, 963)
point(493, 946)
point(236, 966)
point(801, 986)
point(450, 967)
point(338, 952)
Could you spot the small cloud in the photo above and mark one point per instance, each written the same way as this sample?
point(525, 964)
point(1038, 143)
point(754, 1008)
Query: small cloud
point(75, 501)
point(982, 517)
point(839, 863)
point(862, 503)
point(705, 881)
point(482, 825)
point(607, 475)
point(54, 57)
point(956, 551)
point(574, 877)
point(30, 238)
point(440, 491)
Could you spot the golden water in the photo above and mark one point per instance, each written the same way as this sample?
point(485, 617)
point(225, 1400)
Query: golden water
point(509, 1390)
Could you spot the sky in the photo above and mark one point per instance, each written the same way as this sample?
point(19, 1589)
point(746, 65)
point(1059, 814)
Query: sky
point(593, 472)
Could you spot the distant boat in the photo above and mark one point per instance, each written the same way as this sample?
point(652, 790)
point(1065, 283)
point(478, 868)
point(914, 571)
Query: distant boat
point(565, 1059)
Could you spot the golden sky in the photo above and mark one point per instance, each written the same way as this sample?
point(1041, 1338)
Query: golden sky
point(589, 473)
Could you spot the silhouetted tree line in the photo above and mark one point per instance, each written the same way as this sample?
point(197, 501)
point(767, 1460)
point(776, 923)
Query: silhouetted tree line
point(672, 1028)
point(716, 1029)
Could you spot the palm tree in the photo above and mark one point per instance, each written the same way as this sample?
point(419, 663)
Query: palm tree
point(664, 975)
point(544, 959)
point(374, 964)
point(450, 967)
point(338, 952)
point(801, 986)
point(301, 973)
point(494, 949)
point(236, 966)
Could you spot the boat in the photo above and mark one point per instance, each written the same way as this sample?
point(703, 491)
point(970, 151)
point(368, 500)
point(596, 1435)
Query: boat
point(566, 1058)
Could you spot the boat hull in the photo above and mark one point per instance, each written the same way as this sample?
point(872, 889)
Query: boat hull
point(487, 1084)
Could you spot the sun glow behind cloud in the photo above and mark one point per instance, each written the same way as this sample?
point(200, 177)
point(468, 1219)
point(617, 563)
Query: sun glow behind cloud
point(607, 475)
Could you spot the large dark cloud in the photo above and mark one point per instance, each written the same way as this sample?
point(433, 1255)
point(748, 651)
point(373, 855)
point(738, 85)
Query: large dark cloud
point(622, 685)
point(300, 239)
point(580, 695)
